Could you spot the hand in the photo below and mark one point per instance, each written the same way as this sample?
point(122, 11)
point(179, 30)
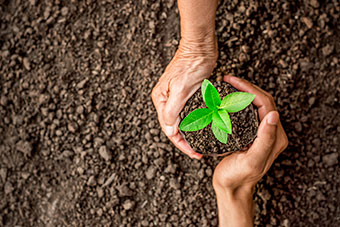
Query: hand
point(236, 175)
point(193, 62)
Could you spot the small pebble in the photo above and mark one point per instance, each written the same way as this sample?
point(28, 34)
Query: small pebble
point(105, 153)
point(91, 181)
point(330, 159)
point(128, 204)
point(24, 147)
point(64, 11)
point(150, 173)
point(308, 22)
point(26, 64)
point(314, 3)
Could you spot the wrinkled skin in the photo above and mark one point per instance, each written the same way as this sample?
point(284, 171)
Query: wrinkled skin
point(192, 63)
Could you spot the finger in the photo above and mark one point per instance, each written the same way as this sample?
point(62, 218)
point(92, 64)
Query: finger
point(172, 132)
point(266, 137)
point(281, 142)
point(179, 141)
point(263, 99)
point(159, 98)
point(178, 96)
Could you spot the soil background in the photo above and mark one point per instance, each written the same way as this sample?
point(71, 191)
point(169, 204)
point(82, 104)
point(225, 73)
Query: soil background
point(80, 144)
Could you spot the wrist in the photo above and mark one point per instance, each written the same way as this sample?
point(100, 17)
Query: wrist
point(199, 35)
point(199, 47)
point(198, 20)
point(235, 206)
point(236, 191)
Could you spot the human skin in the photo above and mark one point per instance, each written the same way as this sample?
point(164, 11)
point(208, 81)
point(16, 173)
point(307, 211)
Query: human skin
point(236, 175)
point(193, 62)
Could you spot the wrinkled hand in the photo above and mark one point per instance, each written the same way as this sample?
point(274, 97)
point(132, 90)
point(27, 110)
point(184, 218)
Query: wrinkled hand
point(192, 63)
point(244, 169)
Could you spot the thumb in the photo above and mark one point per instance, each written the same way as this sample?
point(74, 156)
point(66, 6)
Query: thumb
point(173, 107)
point(266, 135)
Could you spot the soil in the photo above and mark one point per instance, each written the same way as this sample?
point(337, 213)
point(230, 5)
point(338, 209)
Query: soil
point(80, 144)
point(244, 126)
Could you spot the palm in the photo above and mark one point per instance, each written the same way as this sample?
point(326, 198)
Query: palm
point(231, 170)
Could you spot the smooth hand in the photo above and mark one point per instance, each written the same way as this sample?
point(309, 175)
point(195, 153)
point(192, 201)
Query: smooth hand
point(236, 175)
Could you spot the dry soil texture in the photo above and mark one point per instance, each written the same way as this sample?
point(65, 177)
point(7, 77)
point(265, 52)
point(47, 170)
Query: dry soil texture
point(79, 140)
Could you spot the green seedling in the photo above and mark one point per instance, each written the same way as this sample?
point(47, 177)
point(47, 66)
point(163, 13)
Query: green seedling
point(217, 111)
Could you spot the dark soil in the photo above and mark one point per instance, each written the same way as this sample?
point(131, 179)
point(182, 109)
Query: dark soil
point(80, 144)
point(244, 126)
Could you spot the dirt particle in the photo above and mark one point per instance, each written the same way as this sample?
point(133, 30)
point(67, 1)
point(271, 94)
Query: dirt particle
point(314, 3)
point(80, 110)
point(27, 64)
point(330, 159)
point(308, 22)
point(283, 63)
point(25, 175)
point(8, 188)
point(173, 183)
point(92, 181)
point(3, 174)
point(150, 173)
point(105, 153)
point(3, 100)
point(24, 147)
point(64, 11)
point(327, 50)
point(100, 192)
point(82, 83)
point(72, 127)
point(311, 100)
point(33, 2)
point(109, 180)
point(128, 204)
point(124, 190)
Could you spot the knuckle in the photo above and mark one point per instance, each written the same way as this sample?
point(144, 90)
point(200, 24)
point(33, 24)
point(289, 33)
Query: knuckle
point(154, 93)
point(270, 98)
point(285, 143)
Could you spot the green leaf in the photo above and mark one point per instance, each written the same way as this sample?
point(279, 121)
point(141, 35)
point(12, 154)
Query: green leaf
point(222, 120)
point(204, 86)
point(221, 135)
point(236, 101)
point(211, 97)
point(196, 120)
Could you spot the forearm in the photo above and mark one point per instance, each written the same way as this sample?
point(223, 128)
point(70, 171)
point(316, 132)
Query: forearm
point(235, 208)
point(198, 19)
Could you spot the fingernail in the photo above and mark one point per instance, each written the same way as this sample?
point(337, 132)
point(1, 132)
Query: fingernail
point(273, 118)
point(169, 130)
point(197, 156)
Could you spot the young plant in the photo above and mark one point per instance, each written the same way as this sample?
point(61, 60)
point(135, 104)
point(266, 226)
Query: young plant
point(217, 111)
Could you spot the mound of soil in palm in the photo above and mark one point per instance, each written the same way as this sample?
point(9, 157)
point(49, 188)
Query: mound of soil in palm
point(244, 125)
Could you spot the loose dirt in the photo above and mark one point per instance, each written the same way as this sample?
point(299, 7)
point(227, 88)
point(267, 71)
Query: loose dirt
point(80, 144)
